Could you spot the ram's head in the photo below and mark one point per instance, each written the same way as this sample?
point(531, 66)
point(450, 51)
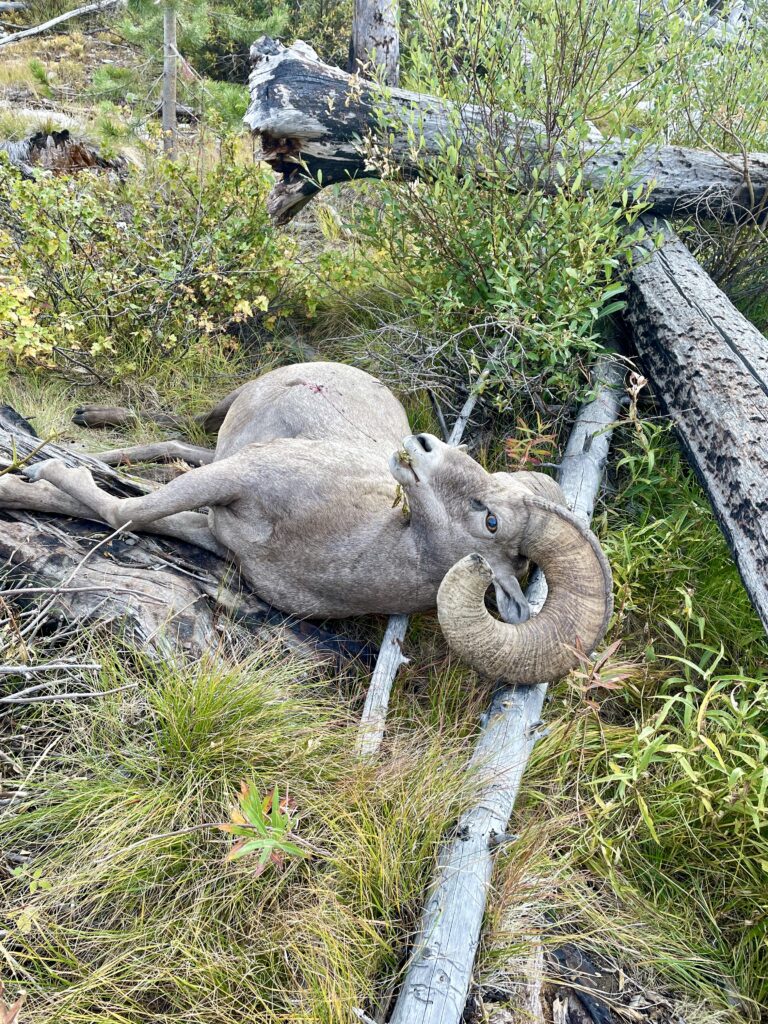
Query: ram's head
point(485, 528)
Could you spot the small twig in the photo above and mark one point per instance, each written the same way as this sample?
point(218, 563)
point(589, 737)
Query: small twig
point(439, 415)
point(466, 411)
point(53, 697)
point(50, 666)
point(362, 1016)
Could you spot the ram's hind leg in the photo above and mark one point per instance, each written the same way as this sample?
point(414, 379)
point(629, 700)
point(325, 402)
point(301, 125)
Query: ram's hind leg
point(168, 510)
point(16, 492)
point(161, 451)
point(43, 496)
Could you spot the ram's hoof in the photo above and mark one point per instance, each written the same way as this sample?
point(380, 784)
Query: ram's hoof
point(37, 471)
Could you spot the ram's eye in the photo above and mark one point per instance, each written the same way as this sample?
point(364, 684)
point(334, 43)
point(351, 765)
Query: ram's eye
point(491, 523)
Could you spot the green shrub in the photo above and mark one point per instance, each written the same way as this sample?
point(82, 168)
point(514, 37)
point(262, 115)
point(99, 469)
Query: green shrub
point(126, 276)
point(118, 84)
point(494, 245)
point(213, 36)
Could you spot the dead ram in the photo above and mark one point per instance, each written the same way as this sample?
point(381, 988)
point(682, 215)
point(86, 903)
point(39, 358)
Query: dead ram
point(302, 491)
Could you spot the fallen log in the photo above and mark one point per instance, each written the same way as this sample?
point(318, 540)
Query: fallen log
point(85, 576)
point(163, 595)
point(95, 8)
point(311, 119)
point(438, 976)
point(709, 368)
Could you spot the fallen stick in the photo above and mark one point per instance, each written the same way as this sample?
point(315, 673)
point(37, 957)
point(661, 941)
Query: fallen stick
point(437, 980)
point(50, 666)
point(374, 717)
point(101, 5)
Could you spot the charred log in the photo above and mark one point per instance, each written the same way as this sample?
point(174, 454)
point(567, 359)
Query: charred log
point(58, 152)
point(311, 119)
point(709, 368)
point(166, 596)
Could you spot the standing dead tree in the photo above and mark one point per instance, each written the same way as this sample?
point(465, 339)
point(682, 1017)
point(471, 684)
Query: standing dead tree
point(376, 40)
point(170, 67)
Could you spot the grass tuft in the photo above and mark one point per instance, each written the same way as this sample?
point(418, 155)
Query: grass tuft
point(125, 908)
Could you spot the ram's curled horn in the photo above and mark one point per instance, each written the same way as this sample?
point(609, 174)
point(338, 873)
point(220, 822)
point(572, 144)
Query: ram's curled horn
point(575, 615)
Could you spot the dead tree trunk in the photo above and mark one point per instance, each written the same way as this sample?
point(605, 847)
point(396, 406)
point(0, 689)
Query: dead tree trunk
point(169, 80)
point(376, 40)
point(709, 368)
point(311, 117)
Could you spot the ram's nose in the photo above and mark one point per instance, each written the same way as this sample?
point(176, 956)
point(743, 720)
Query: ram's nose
point(421, 445)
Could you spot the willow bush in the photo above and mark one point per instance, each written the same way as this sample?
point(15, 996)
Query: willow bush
point(122, 277)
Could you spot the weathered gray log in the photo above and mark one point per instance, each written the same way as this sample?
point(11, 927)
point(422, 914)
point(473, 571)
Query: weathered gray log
point(18, 444)
point(376, 40)
point(311, 117)
point(438, 977)
point(709, 368)
point(118, 586)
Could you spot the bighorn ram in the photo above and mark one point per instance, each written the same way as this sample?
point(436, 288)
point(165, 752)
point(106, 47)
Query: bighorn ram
point(303, 491)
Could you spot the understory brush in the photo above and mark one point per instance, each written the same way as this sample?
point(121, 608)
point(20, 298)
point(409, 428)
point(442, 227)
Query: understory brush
point(128, 278)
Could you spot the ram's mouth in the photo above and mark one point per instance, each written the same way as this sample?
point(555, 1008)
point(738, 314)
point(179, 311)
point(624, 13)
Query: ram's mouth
point(403, 460)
